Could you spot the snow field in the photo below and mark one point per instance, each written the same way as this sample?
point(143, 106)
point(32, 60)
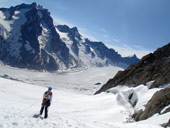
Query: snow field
point(73, 104)
point(20, 101)
point(79, 81)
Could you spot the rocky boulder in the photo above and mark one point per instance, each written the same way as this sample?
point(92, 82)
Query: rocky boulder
point(157, 103)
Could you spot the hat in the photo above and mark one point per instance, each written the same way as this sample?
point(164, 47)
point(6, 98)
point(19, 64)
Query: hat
point(50, 88)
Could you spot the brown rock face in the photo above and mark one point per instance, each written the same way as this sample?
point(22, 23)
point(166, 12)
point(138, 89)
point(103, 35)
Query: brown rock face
point(154, 66)
point(159, 101)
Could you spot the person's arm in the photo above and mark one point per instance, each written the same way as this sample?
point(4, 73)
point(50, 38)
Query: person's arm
point(44, 99)
point(45, 95)
point(51, 97)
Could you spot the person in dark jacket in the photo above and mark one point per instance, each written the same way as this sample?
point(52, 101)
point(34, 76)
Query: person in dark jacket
point(47, 98)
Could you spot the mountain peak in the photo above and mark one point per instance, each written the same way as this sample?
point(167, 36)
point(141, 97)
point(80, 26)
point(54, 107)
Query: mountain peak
point(32, 41)
point(133, 56)
point(73, 32)
point(67, 29)
point(63, 28)
point(23, 5)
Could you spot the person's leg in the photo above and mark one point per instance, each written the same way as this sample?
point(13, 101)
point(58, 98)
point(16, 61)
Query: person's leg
point(46, 111)
point(42, 108)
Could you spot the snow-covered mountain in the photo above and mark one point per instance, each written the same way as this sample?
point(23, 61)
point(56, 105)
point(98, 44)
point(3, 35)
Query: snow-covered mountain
point(91, 53)
point(29, 39)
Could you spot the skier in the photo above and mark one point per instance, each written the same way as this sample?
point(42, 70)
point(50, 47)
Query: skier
point(47, 98)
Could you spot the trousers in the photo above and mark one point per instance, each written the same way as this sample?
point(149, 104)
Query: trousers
point(46, 110)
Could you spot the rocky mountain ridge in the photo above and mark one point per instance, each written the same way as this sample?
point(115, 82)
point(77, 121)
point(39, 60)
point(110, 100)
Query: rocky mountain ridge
point(91, 52)
point(29, 39)
point(153, 68)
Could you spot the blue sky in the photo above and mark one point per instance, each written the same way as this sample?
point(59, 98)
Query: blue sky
point(128, 26)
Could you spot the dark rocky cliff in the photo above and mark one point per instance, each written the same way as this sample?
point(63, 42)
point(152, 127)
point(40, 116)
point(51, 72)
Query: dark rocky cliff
point(156, 104)
point(152, 67)
point(26, 46)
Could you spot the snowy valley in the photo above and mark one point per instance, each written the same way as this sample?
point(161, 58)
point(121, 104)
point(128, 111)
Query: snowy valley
point(72, 106)
point(93, 85)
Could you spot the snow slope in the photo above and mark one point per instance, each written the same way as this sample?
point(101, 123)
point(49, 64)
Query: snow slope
point(20, 101)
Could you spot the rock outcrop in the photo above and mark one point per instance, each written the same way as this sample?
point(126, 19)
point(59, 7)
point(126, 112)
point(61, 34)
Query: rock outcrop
point(166, 125)
point(152, 67)
point(157, 103)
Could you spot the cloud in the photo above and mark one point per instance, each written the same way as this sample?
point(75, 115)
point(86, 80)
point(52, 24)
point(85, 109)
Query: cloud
point(124, 50)
point(84, 32)
point(115, 40)
point(88, 36)
point(58, 21)
point(106, 36)
point(103, 30)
